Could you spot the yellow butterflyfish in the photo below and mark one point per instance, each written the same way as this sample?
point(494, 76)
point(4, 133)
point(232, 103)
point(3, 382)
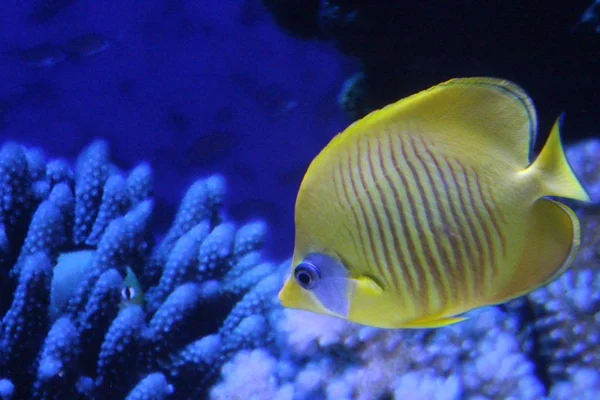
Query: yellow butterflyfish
point(430, 207)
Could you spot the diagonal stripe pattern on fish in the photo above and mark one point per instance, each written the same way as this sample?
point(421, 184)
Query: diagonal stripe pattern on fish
point(430, 207)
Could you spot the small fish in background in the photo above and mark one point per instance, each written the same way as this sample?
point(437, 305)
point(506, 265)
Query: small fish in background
point(131, 292)
point(430, 207)
point(87, 45)
point(46, 55)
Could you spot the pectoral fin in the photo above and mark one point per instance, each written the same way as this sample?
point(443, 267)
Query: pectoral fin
point(367, 286)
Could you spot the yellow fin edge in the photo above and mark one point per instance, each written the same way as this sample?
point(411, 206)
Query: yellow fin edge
point(433, 322)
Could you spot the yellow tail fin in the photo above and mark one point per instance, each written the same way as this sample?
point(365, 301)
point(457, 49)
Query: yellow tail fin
point(558, 179)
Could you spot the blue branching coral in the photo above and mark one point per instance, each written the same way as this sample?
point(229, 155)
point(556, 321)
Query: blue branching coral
point(568, 319)
point(73, 323)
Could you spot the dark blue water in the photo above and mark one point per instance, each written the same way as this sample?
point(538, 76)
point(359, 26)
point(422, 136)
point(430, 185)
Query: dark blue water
point(192, 87)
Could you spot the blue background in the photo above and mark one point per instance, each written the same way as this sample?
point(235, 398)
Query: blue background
point(193, 90)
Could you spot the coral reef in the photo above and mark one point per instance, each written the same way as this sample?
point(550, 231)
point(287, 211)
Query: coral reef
point(323, 358)
point(583, 158)
point(92, 308)
point(498, 353)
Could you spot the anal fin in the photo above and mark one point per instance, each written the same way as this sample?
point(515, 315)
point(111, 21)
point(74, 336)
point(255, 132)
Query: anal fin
point(433, 322)
point(553, 239)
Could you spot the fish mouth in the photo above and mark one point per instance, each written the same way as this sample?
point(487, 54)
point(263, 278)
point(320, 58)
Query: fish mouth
point(292, 296)
point(281, 296)
point(284, 295)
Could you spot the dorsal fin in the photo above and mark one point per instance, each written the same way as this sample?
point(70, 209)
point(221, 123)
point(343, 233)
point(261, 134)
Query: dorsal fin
point(485, 113)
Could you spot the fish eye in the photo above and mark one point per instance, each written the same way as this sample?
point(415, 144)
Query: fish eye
point(307, 275)
point(127, 293)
